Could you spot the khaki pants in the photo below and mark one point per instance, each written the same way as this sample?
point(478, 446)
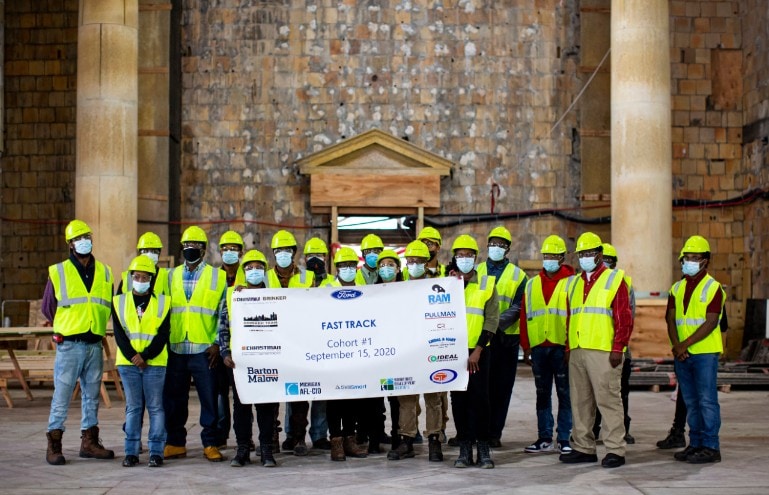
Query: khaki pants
point(409, 405)
point(593, 382)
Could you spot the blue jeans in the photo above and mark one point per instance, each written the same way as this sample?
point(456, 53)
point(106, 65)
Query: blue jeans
point(176, 397)
point(318, 420)
point(76, 360)
point(697, 382)
point(144, 387)
point(547, 365)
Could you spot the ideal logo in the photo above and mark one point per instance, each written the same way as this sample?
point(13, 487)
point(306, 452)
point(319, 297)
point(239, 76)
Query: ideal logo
point(442, 358)
point(439, 298)
point(443, 376)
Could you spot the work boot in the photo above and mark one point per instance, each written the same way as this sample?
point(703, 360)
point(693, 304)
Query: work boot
point(174, 451)
point(91, 447)
point(53, 455)
point(337, 449)
point(266, 456)
point(300, 447)
point(675, 440)
point(242, 456)
point(434, 449)
point(405, 449)
point(465, 458)
point(484, 456)
point(352, 449)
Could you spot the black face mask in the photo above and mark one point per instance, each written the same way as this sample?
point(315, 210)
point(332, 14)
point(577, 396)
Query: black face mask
point(316, 265)
point(433, 254)
point(191, 254)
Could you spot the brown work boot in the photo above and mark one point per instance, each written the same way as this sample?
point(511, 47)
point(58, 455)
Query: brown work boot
point(337, 449)
point(352, 449)
point(91, 447)
point(53, 455)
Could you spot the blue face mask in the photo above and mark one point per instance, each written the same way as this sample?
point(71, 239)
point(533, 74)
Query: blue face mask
point(551, 266)
point(387, 273)
point(371, 259)
point(141, 288)
point(347, 274)
point(690, 268)
point(465, 265)
point(587, 264)
point(83, 247)
point(496, 253)
point(230, 257)
point(416, 270)
point(284, 259)
point(255, 276)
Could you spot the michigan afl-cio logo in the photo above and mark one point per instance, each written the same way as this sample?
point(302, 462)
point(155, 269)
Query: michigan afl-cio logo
point(443, 376)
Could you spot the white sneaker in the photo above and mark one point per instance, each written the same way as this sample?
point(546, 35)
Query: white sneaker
point(541, 446)
point(564, 447)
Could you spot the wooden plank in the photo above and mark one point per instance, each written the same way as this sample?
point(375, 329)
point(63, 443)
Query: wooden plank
point(650, 332)
point(372, 210)
point(365, 190)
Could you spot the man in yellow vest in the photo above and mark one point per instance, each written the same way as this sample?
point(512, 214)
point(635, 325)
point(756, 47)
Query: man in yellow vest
point(370, 247)
point(78, 300)
point(150, 246)
point(598, 330)
point(196, 291)
point(431, 238)
point(543, 338)
point(695, 306)
point(471, 408)
point(142, 325)
point(510, 283)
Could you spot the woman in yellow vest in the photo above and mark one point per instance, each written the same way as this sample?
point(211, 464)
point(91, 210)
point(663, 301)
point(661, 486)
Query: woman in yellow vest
point(142, 327)
point(471, 409)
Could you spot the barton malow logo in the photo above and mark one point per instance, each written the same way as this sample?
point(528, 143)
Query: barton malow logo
point(262, 375)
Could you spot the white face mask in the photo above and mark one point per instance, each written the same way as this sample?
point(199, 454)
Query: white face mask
point(153, 256)
point(83, 247)
point(141, 288)
point(690, 268)
point(496, 253)
point(587, 264)
point(284, 259)
point(465, 265)
point(416, 269)
point(551, 266)
point(347, 274)
point(230, 257)
point(255, 276)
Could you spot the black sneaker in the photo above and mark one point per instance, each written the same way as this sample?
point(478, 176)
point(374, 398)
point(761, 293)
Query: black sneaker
point(130, 461)
point(575, 456)
point(321, 444)
point(418, 439)
point(629, 439)
point(683, 455)
point(704, 455)
point(155, 461)
point(613, 461)
point(288, 444)
point(675, 440)
point(242, 456)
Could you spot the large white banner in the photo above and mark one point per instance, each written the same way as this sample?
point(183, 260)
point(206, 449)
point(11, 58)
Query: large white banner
point(349, 342)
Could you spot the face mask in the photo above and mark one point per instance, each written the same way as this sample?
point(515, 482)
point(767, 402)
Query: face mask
point(83, 246)
point(192, 255)
point(152, 256)
point(587, 264)
point(551, 266)
point(255, 276)
point(465, 265)
point(690, 268)
point(607, 265)
point(433, 254)
point(284, 259)
point(496, 253)
point(316, 265)
point(347, 274)
point(230, 257)
point(141, 287)
point(371, 259)
point(387, 273)
point(416, 270)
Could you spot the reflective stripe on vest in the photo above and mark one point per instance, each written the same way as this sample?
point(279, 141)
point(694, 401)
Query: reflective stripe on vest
point(507, 285)
point(545, 321)
point(591, 323)
point(303, 279)
point(195, 320)
point(476, 296)
point(141, 332)
point(78, 311)
point(696, 314)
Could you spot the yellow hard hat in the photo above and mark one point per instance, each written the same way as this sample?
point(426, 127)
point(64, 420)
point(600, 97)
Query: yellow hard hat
point(502, 233)
point(315, 246)
point(389, 253)
point(76, 228)
point(430, 233)
point(345, 254)
point(149, 240)
point(194, 234)
point(608, 250)
point(231, 237)
point(553, 244)
point(142, 263)
point(418, 249)
point(253, 255)
point(464, 241)
point(696, 244)
point(588, 241)
point(371, 241)
point(282, 239)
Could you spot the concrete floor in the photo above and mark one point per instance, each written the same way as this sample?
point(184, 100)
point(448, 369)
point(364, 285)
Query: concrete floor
point(744, 470)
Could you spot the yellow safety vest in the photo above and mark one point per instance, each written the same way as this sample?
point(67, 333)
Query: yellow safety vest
point(591, 323)
point(303, 279)
point(688, 322)
point(141, 332)
point(77, 310)
point(195, 320)
point(507, 286)
point(545, 321)
point(476, 296)
point(161, 282)
point(360, 279)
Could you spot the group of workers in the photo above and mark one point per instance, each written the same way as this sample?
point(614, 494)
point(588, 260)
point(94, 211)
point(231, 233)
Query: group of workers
point(172, 325)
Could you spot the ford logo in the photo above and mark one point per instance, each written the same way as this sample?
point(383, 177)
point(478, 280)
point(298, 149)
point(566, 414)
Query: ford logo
point(443, 376)
point(346, 294)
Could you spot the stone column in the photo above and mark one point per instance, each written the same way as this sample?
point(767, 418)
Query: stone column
point(641, 176)
point(106, 157)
